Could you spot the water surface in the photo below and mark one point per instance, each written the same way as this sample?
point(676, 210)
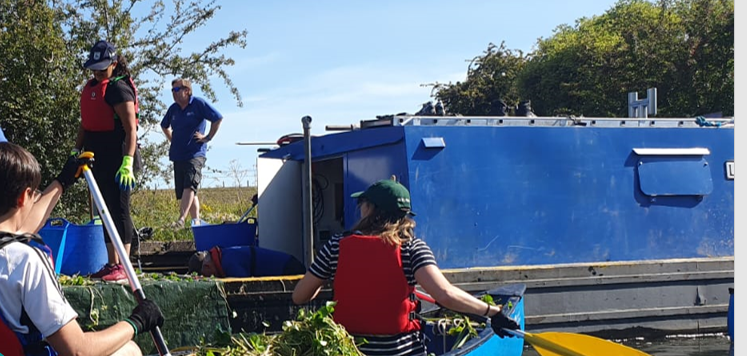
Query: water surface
point(714, 345)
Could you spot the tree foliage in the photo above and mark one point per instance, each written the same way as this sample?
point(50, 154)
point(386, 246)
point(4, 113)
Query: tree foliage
point(490, 77)
point(44, 43)
point(684, 48)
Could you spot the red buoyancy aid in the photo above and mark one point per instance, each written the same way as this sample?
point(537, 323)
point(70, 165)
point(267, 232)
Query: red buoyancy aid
point(372, 293)
point(95, 113)
point(9, 343)
point(217, 257)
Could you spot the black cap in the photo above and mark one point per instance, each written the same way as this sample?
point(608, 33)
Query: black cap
point(102, 55)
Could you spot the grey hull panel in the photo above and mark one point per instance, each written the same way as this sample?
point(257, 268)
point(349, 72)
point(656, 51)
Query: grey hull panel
point(683, 296)
point(615, 299)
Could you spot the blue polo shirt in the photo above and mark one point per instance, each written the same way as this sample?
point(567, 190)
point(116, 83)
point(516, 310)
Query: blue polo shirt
point(184, 124)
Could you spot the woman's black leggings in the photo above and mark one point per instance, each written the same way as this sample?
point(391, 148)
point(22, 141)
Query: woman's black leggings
point(105, 167)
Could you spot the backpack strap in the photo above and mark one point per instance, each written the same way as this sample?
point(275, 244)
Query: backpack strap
point(8, 237)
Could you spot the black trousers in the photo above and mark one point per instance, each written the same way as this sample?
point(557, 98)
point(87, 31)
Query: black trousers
point(105, 167)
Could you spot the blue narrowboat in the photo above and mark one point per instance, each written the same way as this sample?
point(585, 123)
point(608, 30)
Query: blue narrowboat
point(612, 224)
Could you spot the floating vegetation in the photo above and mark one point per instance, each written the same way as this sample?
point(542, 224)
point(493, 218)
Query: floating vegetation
point(310, 334)
point(75, 280)
point(78, 280)
point(317, 334)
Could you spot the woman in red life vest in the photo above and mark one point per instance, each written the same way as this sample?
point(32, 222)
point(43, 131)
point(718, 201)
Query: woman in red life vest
point(108, 128)
point(375, 269)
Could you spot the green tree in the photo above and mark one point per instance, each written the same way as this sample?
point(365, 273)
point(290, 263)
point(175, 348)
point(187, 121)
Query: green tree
point(709, 60)
point(44, 43)
point(684, 48)
point(490, 77)
point(38, 109)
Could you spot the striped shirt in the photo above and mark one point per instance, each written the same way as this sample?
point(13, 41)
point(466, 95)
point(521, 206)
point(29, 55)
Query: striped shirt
point(415, 255)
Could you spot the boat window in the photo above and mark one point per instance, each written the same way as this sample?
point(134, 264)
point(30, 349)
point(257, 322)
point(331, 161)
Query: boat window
point(671, 175)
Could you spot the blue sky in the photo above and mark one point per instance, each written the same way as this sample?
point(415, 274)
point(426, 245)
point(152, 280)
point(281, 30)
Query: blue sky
point(341, 61)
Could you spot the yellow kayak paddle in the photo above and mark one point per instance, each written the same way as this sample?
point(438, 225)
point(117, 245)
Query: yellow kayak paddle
point(569, 344)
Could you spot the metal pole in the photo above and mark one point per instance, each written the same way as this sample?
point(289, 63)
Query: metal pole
point(652, 106)
point(632, 99)
point(308, 226)
point(106, 218)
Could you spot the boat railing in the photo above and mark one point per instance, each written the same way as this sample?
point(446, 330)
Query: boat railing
point(555, 121)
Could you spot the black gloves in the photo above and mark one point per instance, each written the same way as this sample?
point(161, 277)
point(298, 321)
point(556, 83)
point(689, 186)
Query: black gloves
point(500, 321)
point(145, 317)
point(255, 199)
point(67, 176)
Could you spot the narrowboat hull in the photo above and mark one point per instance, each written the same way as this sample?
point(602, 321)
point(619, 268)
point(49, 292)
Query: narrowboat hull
point(613, 224)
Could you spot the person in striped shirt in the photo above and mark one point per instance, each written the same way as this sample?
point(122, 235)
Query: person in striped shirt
point(375, 269)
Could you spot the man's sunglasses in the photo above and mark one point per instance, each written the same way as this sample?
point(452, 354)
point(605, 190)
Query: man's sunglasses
point(177, 89)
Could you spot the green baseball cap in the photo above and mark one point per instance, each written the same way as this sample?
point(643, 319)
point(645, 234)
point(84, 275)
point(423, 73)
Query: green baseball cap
point(387, 195)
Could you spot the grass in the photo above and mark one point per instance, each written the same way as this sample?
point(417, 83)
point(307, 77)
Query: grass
point(159, 208)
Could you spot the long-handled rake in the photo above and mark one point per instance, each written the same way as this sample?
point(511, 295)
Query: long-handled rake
point(106, 218)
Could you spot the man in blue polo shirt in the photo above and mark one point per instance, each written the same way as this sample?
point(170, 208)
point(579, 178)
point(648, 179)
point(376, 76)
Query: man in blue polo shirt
point(184, 125)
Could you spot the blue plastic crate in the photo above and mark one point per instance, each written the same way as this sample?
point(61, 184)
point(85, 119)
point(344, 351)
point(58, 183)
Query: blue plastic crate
point(76, 249)
point(224, 235)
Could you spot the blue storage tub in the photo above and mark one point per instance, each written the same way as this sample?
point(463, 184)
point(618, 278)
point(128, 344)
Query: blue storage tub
point(225, 235)
point(76, 249)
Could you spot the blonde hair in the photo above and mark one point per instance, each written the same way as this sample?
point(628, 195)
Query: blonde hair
point(395, 230)
point(185, 82)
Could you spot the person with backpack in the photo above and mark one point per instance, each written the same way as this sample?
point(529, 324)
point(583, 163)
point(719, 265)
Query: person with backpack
point(35, 317)
point(108, 128)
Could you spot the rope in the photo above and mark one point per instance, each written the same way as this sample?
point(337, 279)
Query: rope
point(701, 121)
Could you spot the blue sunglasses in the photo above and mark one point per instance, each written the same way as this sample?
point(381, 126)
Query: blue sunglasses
point(177, 89)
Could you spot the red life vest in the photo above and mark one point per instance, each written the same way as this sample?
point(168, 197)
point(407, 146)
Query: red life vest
point(372, 293)
point(217, 257)
point(17, 344)
point(95, 113)
point(9, 343)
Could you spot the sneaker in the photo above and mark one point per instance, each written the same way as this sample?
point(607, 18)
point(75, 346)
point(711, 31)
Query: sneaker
point(107, 269)
point(117, 274)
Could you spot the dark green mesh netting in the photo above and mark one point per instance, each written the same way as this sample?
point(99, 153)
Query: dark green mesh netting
point(193, 309)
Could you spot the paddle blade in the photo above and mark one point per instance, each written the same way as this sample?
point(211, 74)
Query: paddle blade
point(568, 344)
